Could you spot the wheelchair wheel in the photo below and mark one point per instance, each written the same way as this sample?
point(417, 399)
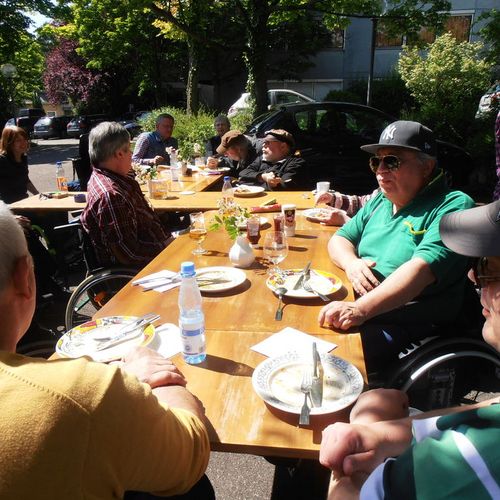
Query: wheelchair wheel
point(93, 293)
point(444, 371)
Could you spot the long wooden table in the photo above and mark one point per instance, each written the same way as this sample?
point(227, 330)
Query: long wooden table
point(236, 320)
point(199, 201)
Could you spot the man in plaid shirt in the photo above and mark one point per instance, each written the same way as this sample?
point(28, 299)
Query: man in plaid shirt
point(122, 226)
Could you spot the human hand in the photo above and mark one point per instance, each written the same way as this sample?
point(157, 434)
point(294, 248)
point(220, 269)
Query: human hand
point(24, 222)
point(335, 217)
point(379, 404)
point(359, 274)
point(323, 197)
point(212, 162)
point(158, 159)
point(152, 368)
point(341, 315)
point(271, 179)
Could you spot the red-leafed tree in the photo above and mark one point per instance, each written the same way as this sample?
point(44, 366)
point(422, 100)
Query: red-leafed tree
point(66, 76)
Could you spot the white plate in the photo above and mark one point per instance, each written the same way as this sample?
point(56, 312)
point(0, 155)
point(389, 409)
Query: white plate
point(80, 341)
point(243, 224)
point(232, 278)
point(214, 171)
point(317, 213)
point(321, 281)
point(277, 381)
point(248, 191)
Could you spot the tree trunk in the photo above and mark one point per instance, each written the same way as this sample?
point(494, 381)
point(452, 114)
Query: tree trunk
point(192, 95)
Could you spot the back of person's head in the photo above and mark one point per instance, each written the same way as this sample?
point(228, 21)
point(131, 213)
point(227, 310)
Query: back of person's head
point(164, 116)
point(12, 244)
point(9, 135)
point(105, 139)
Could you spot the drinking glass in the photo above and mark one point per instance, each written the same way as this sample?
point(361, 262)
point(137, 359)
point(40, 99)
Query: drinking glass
point(198, 231)
point(275, 249)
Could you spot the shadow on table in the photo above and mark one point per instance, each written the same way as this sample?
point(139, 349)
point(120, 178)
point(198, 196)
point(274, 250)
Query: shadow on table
point(225, 365)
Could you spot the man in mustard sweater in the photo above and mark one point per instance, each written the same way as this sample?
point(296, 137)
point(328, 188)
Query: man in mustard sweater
point(79, 429)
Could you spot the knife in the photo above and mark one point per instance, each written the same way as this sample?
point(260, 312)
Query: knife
point(302, 276)
point(317, 384)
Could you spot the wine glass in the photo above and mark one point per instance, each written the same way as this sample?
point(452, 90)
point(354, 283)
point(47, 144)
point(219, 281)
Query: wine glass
point(275, 249)
point(198, 231)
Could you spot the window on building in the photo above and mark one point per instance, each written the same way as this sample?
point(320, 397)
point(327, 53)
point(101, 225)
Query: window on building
point(459, 25)
point(386, 40)
point(337, 37)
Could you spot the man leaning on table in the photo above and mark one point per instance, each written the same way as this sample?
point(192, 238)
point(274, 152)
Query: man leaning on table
point(408, 284)
point(122, 226)
point(447, 453)
point(79, 429)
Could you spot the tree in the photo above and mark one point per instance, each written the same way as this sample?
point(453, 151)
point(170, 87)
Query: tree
point(446, 82)
point(491, 36)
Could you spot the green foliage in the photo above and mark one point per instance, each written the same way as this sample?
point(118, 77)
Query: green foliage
point(243, 119)
point(344, 96)
point(491, 36)
point(446, 83)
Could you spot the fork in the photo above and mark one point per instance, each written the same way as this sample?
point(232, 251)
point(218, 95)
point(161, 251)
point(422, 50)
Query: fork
point(305, 387)
point(308, 288)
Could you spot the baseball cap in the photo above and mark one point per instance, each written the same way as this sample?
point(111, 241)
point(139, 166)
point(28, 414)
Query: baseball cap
point(229, 139)
point(281, 135)
point(474, 232)
point(405, 134)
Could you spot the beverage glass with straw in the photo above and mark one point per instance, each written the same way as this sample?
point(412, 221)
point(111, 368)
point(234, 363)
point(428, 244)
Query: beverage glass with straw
point(198, 231)
point(275, 249)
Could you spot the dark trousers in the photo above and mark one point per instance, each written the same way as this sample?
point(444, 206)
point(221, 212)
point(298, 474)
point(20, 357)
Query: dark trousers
point(202, 490)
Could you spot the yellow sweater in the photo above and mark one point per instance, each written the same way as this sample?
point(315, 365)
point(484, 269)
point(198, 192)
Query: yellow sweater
point(74, 429)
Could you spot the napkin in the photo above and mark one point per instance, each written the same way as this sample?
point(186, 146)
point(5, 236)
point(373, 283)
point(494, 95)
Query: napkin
point(167, 340)
point(159, 282)
point(290, 339)
point(269, 208)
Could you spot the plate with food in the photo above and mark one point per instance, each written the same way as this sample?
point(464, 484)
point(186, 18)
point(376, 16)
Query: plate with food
point(322, 281)
point(317, 214)
point(87, 339)
point(219, 278)
point(214, 171)
point(247, 191)
point(277, 381)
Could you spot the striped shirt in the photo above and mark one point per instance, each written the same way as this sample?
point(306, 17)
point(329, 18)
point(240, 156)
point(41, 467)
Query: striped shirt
point(454, 456)
point(151, 144)
point(350, 203)
point(118, 214)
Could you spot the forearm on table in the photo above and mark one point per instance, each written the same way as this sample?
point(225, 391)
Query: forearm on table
point(31, 188)
point(341, 251)
point(177, 396)
point(402, 286)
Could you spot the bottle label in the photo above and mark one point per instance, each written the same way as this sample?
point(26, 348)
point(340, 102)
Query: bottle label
point(193, 341)
point(62, 183)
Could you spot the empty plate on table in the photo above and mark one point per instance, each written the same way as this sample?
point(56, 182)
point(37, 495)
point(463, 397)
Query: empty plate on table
point(247, 190)
point(84, 339)
point(277, 381)
point(318, 214)
point(219, 278)
point(321, 281)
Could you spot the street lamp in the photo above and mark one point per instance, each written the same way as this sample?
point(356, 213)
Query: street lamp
point(9, 71)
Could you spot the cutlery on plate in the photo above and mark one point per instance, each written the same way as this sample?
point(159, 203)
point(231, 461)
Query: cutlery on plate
point(281, 291)
point(317, 378)
point(305, 387)
point(302, 276)
point(308, 288)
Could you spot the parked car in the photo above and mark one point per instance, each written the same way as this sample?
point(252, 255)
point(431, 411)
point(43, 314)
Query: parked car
point(31, 112)
point(485, 103)
point(329, 135)
point(51, 126)
point(26, 118)
point(275, 97)
point(83, 124)
point(130, 122)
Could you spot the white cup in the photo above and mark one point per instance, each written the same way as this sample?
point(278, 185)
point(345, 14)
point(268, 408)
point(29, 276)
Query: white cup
point(322, 187)
point(289, 213)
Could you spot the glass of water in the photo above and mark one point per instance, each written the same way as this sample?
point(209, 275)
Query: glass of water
point(275, 249)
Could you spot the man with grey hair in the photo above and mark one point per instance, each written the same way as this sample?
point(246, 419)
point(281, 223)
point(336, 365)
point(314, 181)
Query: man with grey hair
point(104, 429)
point(221, 125)
point(150, 148)
point(122, 226)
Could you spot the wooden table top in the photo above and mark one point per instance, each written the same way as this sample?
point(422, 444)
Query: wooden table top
point(199, 201)
point(236, 320)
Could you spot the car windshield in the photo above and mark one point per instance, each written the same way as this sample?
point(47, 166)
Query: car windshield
point(255, 125)
point(43, 121)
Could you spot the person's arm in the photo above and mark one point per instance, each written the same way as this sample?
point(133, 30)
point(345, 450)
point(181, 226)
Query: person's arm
point(251, 173)
point(140, 151)
point(31, 187)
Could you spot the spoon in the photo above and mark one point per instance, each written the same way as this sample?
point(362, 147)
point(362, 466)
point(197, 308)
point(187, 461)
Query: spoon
point(279, 312)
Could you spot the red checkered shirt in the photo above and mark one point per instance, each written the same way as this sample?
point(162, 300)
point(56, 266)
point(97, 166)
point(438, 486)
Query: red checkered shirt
point(117, 213)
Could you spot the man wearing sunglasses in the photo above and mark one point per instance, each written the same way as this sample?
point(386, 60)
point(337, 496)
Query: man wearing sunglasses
point(408, 284)
point(447, 453)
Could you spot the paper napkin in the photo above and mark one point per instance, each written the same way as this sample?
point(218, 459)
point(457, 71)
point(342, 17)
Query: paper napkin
point(167, 340)
point(159, 282)
point(290, 339)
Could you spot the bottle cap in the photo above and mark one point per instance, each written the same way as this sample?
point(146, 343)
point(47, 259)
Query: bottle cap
point(227, 178)
point(187, 269)
point(59, 163)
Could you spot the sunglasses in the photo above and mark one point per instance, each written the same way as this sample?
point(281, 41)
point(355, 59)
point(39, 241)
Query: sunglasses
point(391, 162)
point(482, 276)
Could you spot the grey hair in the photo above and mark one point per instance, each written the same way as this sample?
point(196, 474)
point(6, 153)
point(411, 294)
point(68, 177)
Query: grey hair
point(12, 244)
point(224, 119)
point(164, 116)
point(105, 139)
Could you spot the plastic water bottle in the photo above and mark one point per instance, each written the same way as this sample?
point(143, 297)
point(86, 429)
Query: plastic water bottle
point(191, 318)
point(227, 191)
point(61, 179)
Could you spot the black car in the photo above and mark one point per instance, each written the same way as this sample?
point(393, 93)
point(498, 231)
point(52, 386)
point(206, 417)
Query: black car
point(83, 124)
point(329, 135)
point(51, 126)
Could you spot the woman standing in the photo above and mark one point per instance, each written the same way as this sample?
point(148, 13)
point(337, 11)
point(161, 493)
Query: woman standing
point(14, 175)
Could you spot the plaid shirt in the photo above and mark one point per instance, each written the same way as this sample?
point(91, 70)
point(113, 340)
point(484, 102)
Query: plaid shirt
point(350, 203)
point(118, 214)
point(151, 144)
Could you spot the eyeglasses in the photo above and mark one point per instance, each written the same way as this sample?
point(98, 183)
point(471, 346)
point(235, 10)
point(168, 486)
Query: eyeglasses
point(391, 162)
point(482, 276)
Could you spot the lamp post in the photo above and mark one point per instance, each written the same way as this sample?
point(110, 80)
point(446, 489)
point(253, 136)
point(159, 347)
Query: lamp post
point(9, 71)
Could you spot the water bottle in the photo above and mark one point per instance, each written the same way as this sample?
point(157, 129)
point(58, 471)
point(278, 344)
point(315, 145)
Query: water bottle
point(61, 179)
point(173, 158)
point(227, 191)
point(191, 318)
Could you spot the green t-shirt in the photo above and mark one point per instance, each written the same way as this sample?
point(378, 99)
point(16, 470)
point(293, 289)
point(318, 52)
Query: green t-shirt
point(393, 239)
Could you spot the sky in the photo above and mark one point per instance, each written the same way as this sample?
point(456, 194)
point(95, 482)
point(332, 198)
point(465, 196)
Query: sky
point(38, 20)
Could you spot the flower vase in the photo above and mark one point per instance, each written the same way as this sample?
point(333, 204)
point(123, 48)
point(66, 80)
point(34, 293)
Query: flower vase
point(241, 253)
